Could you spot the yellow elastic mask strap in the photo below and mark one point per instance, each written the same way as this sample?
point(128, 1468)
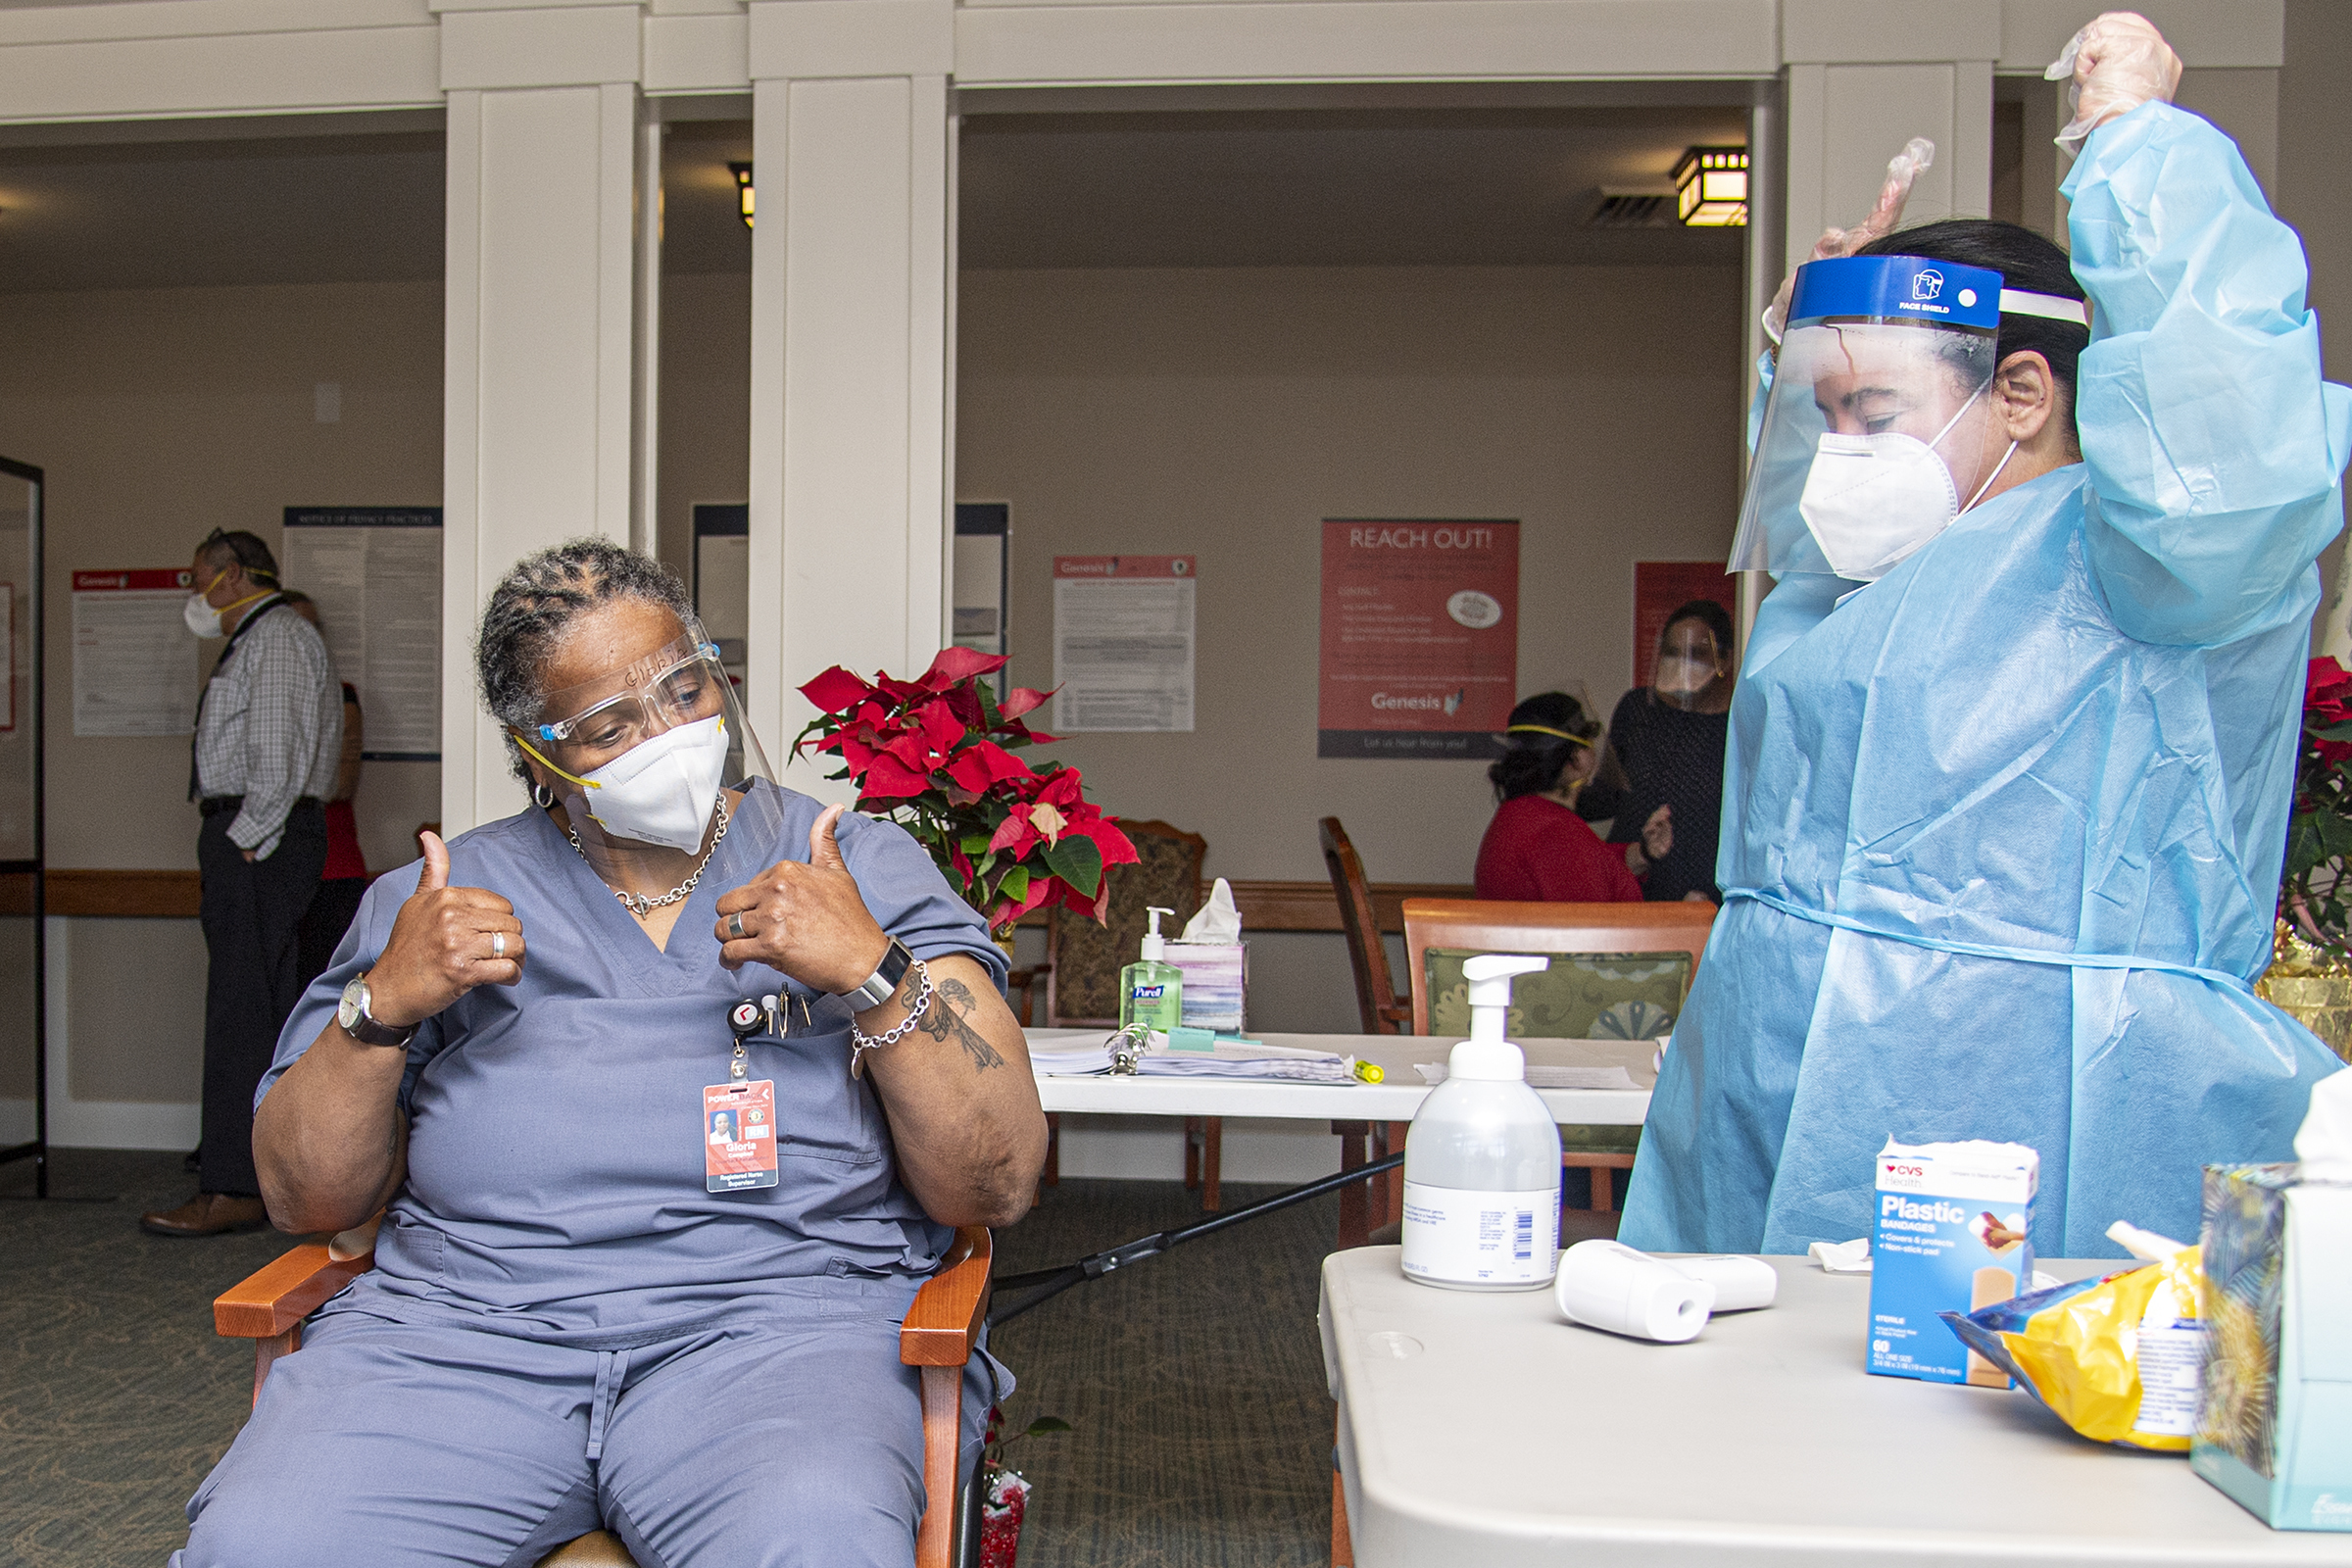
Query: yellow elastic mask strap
point(1544, 730)
point(247, 600)
point(586, 784)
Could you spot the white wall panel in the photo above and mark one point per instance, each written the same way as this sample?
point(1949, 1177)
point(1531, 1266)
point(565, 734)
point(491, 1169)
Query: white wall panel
point(849, 321)
point(697, 54)
point(561, 46)
point(853, 38)
point(1341, 41)
point(538, 437)
point(367, 68)
point(1846, 121)
point(2206, 32)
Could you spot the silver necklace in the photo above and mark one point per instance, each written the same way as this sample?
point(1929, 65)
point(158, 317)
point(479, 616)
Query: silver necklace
point(641, 905)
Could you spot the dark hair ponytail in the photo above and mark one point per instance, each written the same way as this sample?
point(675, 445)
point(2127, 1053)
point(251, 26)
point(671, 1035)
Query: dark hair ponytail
point(1547, 731)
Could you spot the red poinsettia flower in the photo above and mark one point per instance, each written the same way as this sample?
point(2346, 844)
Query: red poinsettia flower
point(2326, 690)
point(935, 754)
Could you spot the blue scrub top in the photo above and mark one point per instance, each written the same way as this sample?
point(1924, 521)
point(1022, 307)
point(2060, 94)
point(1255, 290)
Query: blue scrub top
point(2002, 831)
point(556, 1184)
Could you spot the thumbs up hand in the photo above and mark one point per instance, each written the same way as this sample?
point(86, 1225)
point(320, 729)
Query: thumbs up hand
point(445, 941)
point(807, 921)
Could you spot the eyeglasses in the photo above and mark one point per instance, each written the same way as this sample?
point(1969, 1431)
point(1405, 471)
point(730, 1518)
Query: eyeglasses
point(676, 684)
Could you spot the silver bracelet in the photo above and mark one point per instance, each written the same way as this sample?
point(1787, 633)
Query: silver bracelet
point(861, 1042)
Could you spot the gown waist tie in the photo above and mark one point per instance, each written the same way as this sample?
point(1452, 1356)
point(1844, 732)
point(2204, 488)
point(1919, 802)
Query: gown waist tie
point(1987, 950)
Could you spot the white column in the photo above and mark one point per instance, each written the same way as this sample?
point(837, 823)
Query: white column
point(851, 281)
point(1864, 78)
point(541, 323)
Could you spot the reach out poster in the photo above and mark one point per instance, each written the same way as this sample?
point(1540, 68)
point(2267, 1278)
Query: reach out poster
point(1420, 647)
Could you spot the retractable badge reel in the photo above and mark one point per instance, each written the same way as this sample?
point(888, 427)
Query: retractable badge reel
point(739, 1117)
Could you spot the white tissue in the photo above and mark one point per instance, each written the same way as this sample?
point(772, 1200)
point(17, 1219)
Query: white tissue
point(2323, 1144)
point(1842, 1257)
point(1219, 919)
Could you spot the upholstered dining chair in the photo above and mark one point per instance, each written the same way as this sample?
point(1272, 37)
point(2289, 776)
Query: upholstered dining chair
point(1080, 976)
point(1619, 969)
point(1382, 1011)
point(939, 1334)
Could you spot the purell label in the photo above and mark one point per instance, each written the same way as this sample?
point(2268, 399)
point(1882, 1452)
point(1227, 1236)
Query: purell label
point(1147, 993)
point(1460, 1237)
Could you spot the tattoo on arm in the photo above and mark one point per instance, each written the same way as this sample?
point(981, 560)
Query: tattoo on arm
point(951, 1003)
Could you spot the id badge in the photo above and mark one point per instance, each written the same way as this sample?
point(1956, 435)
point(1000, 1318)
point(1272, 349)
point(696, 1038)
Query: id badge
point(738, 1135)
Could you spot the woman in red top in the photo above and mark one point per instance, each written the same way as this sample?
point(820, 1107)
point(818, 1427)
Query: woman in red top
point(1537, 849)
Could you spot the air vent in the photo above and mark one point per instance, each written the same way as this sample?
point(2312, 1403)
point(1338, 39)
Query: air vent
point(1634, 206)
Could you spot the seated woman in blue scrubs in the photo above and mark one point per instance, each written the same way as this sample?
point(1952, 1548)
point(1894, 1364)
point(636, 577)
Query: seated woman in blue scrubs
point(520, 1053)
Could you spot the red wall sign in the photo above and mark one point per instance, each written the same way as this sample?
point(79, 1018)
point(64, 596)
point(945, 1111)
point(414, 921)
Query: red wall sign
point(1420, 637)
point(1662, 587)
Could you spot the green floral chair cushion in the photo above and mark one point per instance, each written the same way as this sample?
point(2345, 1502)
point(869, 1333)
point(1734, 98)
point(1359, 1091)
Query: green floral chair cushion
point(1579, 996)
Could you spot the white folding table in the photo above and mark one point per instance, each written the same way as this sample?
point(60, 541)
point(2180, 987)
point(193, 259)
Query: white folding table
point(1359, 1112)
point(1486, 1429)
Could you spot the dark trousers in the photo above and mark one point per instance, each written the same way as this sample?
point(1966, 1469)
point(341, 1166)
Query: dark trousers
point(324, 923)
point(252, 912)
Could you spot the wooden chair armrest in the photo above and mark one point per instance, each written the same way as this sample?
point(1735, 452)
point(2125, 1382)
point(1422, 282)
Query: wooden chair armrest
point(283, 1291)
point(1395, 1012)
point(943, 1325)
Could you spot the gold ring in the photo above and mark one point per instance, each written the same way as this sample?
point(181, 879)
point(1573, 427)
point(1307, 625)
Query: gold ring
point(735, 926)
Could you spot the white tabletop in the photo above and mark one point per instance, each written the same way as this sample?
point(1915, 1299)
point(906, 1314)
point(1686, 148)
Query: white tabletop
point(1396, 1100)
point(1486, 1429)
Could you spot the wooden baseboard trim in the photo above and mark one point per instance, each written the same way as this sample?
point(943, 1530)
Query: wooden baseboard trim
point(115, 895)
point(1313, 907)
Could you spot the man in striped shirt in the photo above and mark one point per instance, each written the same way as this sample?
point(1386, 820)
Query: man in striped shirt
point(268, 735)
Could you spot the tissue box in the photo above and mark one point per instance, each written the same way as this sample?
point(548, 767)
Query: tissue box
point(1216, 979)
point(1950, 1235)
point(2274, 1425)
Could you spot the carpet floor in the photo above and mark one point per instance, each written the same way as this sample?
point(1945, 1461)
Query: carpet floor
point(1194, 1381)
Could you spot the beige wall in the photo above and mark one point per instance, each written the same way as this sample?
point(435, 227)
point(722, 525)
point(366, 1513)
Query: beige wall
point(160, 414)
point(706, 404)
point(1226, 412)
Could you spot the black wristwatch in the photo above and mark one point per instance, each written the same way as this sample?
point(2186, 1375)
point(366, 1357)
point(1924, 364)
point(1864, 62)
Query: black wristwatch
point(883, 982)
point(352, 1013)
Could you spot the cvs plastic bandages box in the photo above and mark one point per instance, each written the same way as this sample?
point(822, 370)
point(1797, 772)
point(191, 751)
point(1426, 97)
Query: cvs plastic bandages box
point(1950, 1235)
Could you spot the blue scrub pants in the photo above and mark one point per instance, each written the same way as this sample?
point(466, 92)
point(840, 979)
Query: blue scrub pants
point(760, 1443)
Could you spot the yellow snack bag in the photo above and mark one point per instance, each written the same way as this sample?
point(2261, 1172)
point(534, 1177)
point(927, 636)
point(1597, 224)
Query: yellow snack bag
point(2119, 1358)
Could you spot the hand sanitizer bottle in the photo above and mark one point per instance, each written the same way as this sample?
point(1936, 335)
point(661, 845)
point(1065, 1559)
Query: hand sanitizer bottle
point(1151, 989)
point(1482, 1167)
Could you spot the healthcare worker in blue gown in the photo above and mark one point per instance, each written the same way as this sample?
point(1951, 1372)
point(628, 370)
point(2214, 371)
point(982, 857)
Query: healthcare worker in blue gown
point(2012, 754)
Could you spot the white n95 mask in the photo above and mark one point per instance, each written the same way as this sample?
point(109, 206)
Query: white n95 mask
point(663, 791)
point(202, 618)
point(1872, 501)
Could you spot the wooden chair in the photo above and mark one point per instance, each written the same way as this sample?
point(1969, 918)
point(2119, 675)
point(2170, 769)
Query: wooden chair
point(940, 1333)
point(1484, 926)
point(1081, 972)
point(1382, 1011)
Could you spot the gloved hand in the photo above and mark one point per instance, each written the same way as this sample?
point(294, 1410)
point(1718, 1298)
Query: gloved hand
point(2116, 64)
point(1901, 170)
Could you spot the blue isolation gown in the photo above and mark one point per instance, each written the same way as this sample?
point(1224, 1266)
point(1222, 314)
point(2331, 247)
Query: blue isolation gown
point(2002, 831)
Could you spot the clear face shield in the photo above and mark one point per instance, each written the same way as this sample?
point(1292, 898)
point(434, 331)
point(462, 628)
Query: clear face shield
point(1689, 662)
point(654, 753)
point(1874, 433)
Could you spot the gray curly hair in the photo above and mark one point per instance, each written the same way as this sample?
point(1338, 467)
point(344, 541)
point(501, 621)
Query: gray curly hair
point(537, 600)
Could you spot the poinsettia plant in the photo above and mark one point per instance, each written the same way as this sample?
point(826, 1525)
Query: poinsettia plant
point(935, 754)
point(2315, 895)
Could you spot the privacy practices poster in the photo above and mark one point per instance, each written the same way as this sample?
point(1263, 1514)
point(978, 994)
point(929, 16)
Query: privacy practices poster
point(1420, 637)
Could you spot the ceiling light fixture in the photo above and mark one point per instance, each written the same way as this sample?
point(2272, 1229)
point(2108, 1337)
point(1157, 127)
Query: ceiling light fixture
point(743, 188)
point(1711, 187)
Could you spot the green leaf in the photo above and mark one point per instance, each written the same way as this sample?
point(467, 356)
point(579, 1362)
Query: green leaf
point(1077, 862)
point(976, 843)
point(1016, 885)
point(1045, 1424)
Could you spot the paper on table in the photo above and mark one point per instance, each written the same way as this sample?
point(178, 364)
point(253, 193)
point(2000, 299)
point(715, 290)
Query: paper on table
point(1077, 1058)
point(1539, 1076)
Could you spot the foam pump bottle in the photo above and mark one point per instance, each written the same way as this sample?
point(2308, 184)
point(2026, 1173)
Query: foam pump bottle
point(1482, 1167)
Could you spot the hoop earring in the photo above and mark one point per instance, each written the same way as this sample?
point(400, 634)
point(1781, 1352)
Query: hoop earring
point(542, 797)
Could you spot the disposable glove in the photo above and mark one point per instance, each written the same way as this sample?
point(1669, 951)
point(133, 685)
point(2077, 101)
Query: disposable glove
point(1901, 170)
point(2116, 64)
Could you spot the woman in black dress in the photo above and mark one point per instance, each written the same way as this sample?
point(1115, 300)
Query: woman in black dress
point(1669, 738)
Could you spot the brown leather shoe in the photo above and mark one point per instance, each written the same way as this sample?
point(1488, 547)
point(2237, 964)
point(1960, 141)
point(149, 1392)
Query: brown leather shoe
point(207, 1214)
